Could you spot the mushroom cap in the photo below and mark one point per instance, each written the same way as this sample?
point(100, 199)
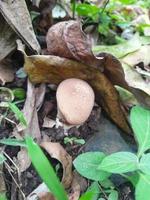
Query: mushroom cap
point(75, 100)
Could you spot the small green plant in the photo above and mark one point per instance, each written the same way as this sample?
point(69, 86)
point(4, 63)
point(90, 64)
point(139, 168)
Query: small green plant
point(73, 140)
point(38, 158)
point(98, 166)
point(110, 18)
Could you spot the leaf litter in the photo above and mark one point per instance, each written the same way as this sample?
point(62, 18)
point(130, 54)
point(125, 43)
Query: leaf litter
point(70, 58)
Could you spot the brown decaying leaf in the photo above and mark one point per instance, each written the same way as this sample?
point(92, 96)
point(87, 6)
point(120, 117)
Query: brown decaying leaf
point(76, 186)
point(2, 182)
point(46, 196)
point(66, 39)
point(23, 159)
point(54, 69)
point(7, 38)
point(17, 16)
point(58, 152)
point(30, 112)
point(113, 70)
point(6, 72)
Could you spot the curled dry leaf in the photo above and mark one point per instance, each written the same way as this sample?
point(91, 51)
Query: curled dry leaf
point(113, 70)
point(17, 16)
point(24, 161)
point(78, 183)
point(7, 38)
point(66, 39)
point(54, 69)
point(2, 182)
point(58, 152)
point(6, 72)
point(30, 112)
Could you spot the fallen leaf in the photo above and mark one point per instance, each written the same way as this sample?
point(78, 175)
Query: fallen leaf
point(30, 113)
point(78, 182)
point(54, 69)
point(66, 39)
point(135, 80)
point(6, 72)
point(58, 152)
point(7, 38)
point(130, 54)
point(42, 188)
point(46, 196)
point(17, 16)
point(113, 70)
point(24, 161)
point(2, 182)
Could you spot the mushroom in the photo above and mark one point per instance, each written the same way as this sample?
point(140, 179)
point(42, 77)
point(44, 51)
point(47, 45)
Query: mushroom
point(75, 100)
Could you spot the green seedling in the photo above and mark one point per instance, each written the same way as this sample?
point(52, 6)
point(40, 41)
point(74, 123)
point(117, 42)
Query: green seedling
point(73, 140)
point(123, 162)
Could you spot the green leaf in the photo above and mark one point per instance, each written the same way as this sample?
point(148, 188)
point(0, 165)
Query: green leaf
point(140, 121)
point(19, 93)
point(19, 115)
point(86, 164)
point(127, 2)
point(113, 195)
point(107, 184)
point(2, 158)
point(87, 10)
point(89, 195)
point(3, 196)
point(13, 142)
point(142, 190)
point(45, 170)
point(95, 188)
point(144, 165)
point(134, 178)
point(120, 162)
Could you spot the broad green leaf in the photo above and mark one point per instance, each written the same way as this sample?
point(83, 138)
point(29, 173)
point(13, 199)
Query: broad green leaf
point(87, 9)
point(2, 158)
point(134, 178)
point(144, 165)
point(13, 142)
point(89, 195)
point(140, 121)
point(120, 162)
point(87, 163)
point(3, 196)
point(107, 184)
point(19, 93)
point(127, 2)
point(113, 195)
point(94, 187)
point(45, 170)
point(19, 115)
point(142, 190)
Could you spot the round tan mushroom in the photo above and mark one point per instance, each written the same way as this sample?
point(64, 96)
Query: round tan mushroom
point(75, 100)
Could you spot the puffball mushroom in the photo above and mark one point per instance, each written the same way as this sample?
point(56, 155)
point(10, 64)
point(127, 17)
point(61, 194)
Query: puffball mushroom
point(75, 100)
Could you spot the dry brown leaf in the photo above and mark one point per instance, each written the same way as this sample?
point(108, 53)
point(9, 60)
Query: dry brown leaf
point(58, 152)
point(75, 187)
point(2, 182)
point(66, 39)
point(54, 69)
point(7, 38)
point(6, 72)
point(24, 161)
point(113, 70)
point(17, 16)
point(46, 196)
point(30, 112)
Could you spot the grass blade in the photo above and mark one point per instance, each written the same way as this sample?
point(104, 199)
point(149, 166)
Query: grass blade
point(45, 170)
